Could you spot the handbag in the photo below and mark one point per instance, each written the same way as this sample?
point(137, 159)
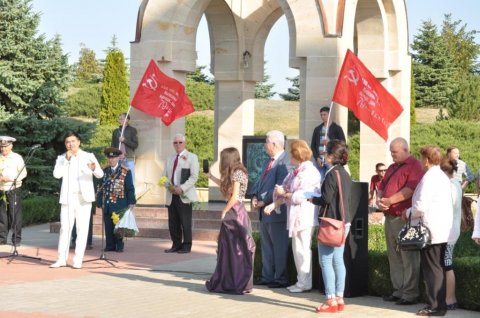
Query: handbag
point(331, 232)
point(413, 238)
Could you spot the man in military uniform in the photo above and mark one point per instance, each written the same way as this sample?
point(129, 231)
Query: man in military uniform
point(11, 166)
point(117, 194)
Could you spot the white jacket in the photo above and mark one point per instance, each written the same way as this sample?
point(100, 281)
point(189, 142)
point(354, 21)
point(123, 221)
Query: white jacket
point(84, 172)
point(432, 200)
point(187, 160)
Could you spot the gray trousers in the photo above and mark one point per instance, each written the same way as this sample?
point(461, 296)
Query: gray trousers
point(404, 265)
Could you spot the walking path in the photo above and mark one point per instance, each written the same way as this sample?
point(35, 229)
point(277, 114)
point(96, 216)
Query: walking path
point(146, 282)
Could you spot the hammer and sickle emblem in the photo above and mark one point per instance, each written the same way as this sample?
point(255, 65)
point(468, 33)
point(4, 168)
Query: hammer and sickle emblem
point(352, 76)
point(151, 83)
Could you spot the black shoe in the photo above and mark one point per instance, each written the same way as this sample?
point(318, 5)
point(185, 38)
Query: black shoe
point(89, 247)
point(109, 249)
point(431, 312)
point(172, 250)
point(391, 298)
point(277, 285)
point(182, 251)
point(405, 302)
point(261, 282)
point(119, 250)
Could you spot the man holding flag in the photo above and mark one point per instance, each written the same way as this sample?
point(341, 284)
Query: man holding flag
point(125, 139)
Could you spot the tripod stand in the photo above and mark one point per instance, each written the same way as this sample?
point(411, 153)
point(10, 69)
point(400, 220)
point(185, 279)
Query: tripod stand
point(12, 204)
point(103, 255)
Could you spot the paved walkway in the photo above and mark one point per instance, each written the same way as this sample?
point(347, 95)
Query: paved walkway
point(145, 282)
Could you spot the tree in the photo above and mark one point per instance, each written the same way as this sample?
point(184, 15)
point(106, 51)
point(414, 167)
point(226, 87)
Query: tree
point(115, 88)
point(34, 72)
point(432, 68)
point(466, 100)
point(88, 68)
point(199, 76)
point(294, 91)
point(461, 47)
point(263, 90)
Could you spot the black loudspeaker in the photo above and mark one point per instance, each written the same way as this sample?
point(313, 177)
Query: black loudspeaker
point(206, 166)
point(356, 247)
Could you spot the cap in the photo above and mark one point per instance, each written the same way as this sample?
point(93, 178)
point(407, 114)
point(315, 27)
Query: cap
point(6, 140)
point(112, 152)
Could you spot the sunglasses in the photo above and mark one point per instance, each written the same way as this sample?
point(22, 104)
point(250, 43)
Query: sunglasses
point(382, 170)
point(178, 142)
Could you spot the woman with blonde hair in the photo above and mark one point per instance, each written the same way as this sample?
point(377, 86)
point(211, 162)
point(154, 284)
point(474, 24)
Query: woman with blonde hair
point(236, 247)
point(302, 215)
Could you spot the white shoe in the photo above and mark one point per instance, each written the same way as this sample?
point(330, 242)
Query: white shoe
point(77, 265)
point(58, 264)
point(297, 290)
point(292, 286)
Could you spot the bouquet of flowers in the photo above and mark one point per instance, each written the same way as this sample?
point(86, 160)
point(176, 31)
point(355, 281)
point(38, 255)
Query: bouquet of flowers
point(124, 220)
point(125, 225)
point(164, 182)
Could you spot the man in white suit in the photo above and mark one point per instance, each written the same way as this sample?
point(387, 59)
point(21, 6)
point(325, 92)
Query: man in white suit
point(76, 168)
point(181, 169)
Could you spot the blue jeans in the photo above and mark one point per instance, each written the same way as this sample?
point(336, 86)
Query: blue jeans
point(333, 270)
point(130, 163)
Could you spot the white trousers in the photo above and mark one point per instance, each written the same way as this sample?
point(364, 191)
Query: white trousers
point(76, 212)
point(302, 254)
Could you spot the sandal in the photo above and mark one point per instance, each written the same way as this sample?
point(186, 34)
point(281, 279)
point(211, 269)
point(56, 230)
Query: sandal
point(330, 306)
point(340, 304)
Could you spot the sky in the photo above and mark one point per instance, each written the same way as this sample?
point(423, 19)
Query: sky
point(93, 23)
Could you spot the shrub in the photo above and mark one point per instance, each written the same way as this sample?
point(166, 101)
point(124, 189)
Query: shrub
point(201, 94)
point(199, 132)
point(36, 210)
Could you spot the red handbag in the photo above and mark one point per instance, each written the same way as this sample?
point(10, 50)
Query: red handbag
point(331, 232)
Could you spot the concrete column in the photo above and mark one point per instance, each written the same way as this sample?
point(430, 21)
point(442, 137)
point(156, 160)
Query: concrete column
point(234, 118)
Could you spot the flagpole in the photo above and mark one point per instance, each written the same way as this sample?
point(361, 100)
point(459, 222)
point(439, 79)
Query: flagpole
point(328, 119)
point(123, 125)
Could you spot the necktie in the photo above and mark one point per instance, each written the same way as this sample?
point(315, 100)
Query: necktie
point(174, 167)
point(269, 166)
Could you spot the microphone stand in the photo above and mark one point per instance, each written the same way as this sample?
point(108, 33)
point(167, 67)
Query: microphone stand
point(103, 255)
point(15, 211)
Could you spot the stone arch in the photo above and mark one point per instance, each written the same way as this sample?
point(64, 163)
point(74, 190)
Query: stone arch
point(166, 31)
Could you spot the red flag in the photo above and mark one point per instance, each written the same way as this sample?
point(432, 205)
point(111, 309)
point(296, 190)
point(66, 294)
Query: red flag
point(161, 96)
point(362, 93)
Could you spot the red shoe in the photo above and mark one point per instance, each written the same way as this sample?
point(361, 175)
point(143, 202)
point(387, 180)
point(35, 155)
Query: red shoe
point(330, 306)
point(340, 304)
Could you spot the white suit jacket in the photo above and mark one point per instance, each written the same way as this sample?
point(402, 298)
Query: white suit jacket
point(84, 172)
point(187, 160)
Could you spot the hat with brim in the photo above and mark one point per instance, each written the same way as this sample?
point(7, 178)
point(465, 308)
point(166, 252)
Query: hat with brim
point(111, 152)
point(6, 140)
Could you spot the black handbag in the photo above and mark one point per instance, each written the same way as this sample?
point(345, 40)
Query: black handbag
point(412, 238)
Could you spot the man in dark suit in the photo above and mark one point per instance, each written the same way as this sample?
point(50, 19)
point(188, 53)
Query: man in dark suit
point(273, 227)
point(119, 193)
point(326, 131)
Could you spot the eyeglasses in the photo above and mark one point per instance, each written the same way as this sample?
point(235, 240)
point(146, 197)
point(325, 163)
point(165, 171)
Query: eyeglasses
point(178, 142)
point(382, 170)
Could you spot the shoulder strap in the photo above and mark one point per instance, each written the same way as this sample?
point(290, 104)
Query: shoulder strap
point(342, 208)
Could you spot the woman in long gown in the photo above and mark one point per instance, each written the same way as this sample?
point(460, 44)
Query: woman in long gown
point(236, 247)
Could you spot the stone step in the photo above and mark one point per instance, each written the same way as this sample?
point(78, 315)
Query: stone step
point(153, 222)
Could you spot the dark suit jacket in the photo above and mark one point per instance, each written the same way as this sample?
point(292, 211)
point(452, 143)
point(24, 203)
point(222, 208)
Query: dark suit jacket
point(131, 140)
point(334, 132)
point(264, 187)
